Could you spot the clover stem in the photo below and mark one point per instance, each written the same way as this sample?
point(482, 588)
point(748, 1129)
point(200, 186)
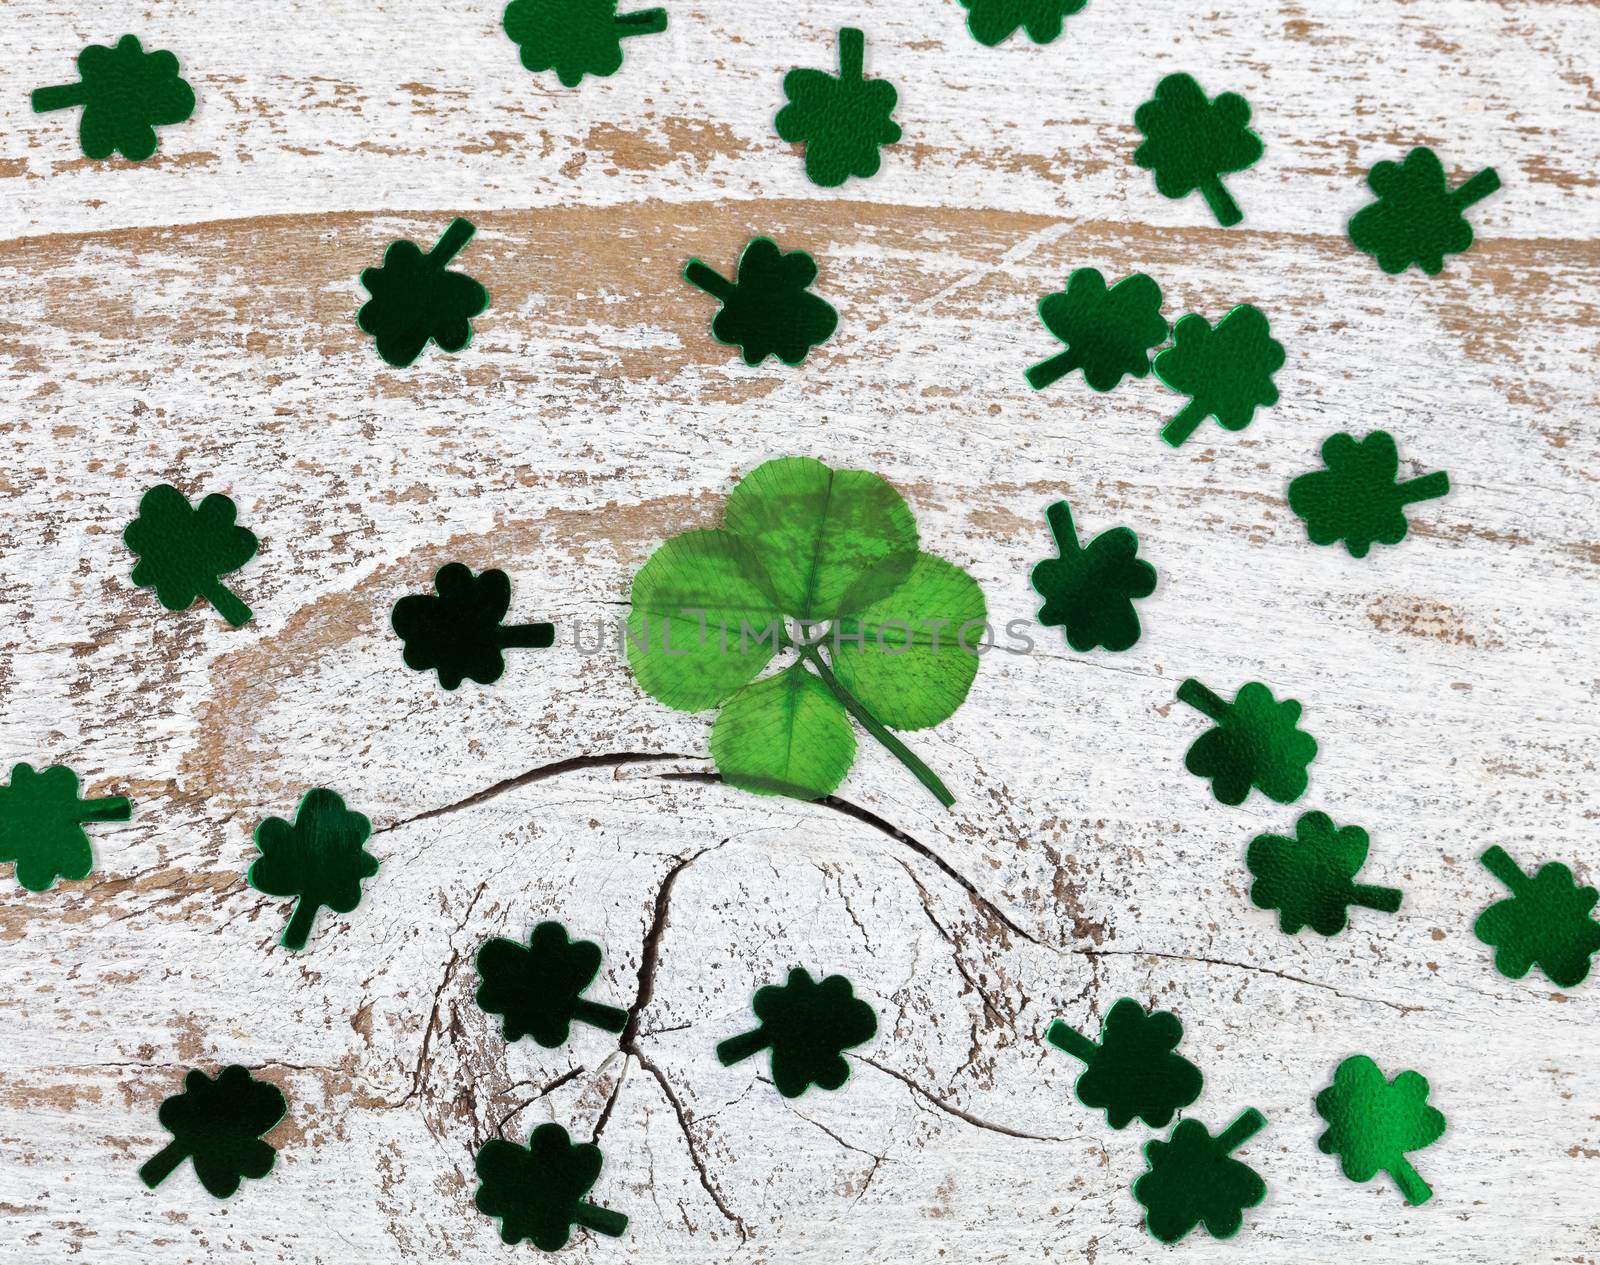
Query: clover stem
point(163, 1164)
point(1202, 700)
point(708, 279)
point(111, 808)
point(852, 53)
point(1249, 1123)
point(1410, 1182)
point(742, 1046)
point(450, 243)
point(526, 636)
point(642, 22)
point(60, 97)
point(599, 1015)
point(1425, 488)
point(298, 931)
point(1185, 423)
point(1384, 899)
point(1057, 367)
point(1059, 516)
point(1221, 203)
point(601, 1220)
point(1499, 863)
point(226, 604)
point(1479, 187)
point(1072, 1041)
point(873, 726)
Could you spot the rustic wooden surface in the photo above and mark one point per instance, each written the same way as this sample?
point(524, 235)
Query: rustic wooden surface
point(192, 320)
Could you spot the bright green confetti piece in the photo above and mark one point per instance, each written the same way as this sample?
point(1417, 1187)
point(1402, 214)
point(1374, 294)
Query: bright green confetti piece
point(768, 311)
point(807, 1026)
point(538, 989)
point(1372, 1123)
point(1255, 743)
point(126, 93)
point(1228, 370)
point(319, 859)
point(1310, 879)
point(219, 1125)
point(575, 38)
point(1108, 332)
point(1191, 143)
point(537, 1191)
point(41, 825)
point(416, 299)
point(457, 632)
point(1546, 922)
point(183, 550)
point(882, 633)
point(1090, 589)
point(1358, 498)
point(1194, 1180)
point(993, 21)
point(1134, 1071)
point(842, 120)
point(1417, 219)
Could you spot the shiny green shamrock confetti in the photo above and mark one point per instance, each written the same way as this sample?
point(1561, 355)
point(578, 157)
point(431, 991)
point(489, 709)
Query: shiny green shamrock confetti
point(1191, 143)
point(183, 550)
point(575, 38)
point(537, 1191)
point(807, 1026)
point(842, 121)
point(416, 299)
point(219, 1125)
point(456, 630)
point(1417, 219)
point(1255, 743)
point(1089, 590)
point(126, 93)
point(1310, 879)
point(1108, 332)
point(1372, 1123)
point(992, 21)
point(1193, 1179)
point(41, 824)
point(538, 989)
point(768, 311)
point(1546, 922)
point(1358, 498)
point(1134, 1071)
point(881, 633)
point(319, 859)
point(1228, 370)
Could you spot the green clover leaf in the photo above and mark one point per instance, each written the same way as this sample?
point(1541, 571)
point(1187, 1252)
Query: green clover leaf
point(457, 632)
point(575, 38)
point(1358, 498)
point(994, 21)
point(1193, 1180)
point(318, 858)
point(841, 120)
point(218, 1124)
point(1228, 370)
point(126, 93)
point(1255, 743)
point(1548, 921)
point(768, 311)
point(41, 824)
point(1417, 219)
point(416, 299)
point(1191, 142)
point(1090, 589)
point(1310, 879)
point(537, 1191)
point(182, 550)
point(1372, 1123)
point(1135, 1070)
point(1108, 332)
point(807, 1026)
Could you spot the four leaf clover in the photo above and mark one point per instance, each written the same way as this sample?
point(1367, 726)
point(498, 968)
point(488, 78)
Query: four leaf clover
point(1193, 1179)
point(575, 38)
point(992, 21)
point(768, 311)
point(126, 93)
point(1547, 921)
point(1310, 879)
point(1108, 332)
point(537, 1191)
point(1090, 589)
point(807, 1026)
point(1228, 370)
point(1134, 1071)
point(319, 859)
point(1417, 219)
point(183, 550)
point(1357, 498)
point(416, 299)
point(41, 824)
point(1255, 743)
point(842, 120)
point(458, 633)
point(1372, 1123)
point(538, 990)
point(218, 1124)
point(1191, 143)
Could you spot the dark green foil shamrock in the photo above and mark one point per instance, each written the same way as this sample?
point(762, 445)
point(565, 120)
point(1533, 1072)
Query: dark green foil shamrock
point(1358, 498)
point(1193, 1180)
point(1548, 921)
point(992, 21)
point(538, 989)
point(575, 38)
point(1310, 879)
point(458, 633)
point(1134, 1070)
point(1108, 332)
point(183, 550)
point(319, 859)
point(41, 824)
point(842, 121)
point(1090, 590)
point(416, 299)
point(768, 311)
point(1255, 743)
point(807, 1026)
point(1372, 1123)
point(1417, 219)
point(1228, 370)
point(537, 1191)
point(1191, 143)
point(126, 93)
point(218, 1124)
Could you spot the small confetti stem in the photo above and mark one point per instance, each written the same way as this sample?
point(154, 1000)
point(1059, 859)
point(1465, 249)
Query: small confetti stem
point(1412, 1187)
point(163, 1163)
point(1202, 700)
point(451, 242)
point(1059, 517)
point(1249, 1123)
point(1425, 488)
point(599, 1015)
point(1185, 423)
point(526, 637)
point(1072, 1041)
point(298, 931)
point(61, 97)
point(852, 54)
point(601, 1220)
point(708, 279)
point(226, 604)
point(111, 808)
point(735, 1049)
point(1221, 202)
point(644, 22)
point(1386, 900)
point(1057, 367)
point(1499, 863)
point(1478, 188)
